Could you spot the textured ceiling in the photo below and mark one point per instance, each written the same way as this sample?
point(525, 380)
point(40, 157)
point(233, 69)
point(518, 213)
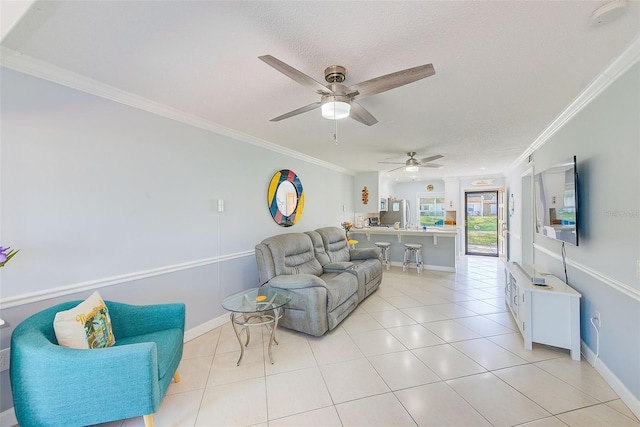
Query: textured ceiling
point(504, 70)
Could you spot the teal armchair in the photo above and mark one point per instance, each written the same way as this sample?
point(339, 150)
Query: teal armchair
point(59, 386)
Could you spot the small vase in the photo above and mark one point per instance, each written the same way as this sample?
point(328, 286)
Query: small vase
point(347, 236)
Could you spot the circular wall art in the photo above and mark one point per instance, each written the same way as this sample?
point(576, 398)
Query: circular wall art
point(285, 198)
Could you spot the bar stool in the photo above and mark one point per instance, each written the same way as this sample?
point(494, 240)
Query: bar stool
point(384, 247)
point(412, 250)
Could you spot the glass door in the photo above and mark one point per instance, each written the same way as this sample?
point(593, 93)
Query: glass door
point(481, 223)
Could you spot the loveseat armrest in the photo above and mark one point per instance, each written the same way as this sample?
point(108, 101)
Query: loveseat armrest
point(337, 267)
point(364, 253)
point(296, 281)
point(131, 320)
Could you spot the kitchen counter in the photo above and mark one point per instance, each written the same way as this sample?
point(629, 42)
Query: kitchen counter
point(439, 244)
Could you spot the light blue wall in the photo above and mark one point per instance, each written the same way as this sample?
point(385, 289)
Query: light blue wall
point(605, 137)
point(93, 190)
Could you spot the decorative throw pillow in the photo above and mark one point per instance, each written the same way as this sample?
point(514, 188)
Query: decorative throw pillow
point(87, 325)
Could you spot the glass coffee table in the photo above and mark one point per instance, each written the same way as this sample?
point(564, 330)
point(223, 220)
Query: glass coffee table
point(256, 307)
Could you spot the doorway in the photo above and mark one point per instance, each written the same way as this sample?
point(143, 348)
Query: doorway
point(481, 223)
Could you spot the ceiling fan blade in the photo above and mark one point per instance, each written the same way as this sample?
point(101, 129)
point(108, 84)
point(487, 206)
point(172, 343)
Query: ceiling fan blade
point(359, 113)
point(296, 75)
point(395, 169)
point(393, 163)
point(431, 165)
point(297, 111)
point(392, 81)
point(431, 158)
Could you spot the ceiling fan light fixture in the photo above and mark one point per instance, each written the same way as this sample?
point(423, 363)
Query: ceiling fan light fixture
point(335, 109)
point(412, 168)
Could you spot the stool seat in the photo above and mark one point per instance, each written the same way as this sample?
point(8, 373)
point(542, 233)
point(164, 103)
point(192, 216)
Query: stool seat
point(384, 247)
point(353, 243)
point(412, 250)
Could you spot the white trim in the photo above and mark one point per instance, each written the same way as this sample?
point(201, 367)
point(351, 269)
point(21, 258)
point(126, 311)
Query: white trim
point(615, 284)
point(205, 327)
point(28, 65)
point(32, 297)
point(629, 57)
point(632, 402)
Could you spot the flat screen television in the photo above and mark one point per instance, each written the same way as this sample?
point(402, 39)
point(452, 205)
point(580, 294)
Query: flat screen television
point(556, 202)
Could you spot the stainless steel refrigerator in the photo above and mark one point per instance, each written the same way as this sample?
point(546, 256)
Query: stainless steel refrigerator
point(397, 211)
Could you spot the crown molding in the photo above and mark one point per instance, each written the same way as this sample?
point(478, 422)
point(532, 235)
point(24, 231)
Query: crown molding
point(628, 58)
point(17, 61)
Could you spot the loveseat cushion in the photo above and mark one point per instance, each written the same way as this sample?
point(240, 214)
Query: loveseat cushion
point(340, 287)
point(293, 254)
point(168, 344)
point(335, 244)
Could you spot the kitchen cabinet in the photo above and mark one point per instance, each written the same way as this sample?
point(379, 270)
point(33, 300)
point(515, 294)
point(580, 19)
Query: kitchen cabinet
point(547, 314)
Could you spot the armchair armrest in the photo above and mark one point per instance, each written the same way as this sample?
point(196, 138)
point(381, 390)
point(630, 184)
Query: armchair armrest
point(130, 320)
point(296, 281)
point(364, 253)
point(45, 370)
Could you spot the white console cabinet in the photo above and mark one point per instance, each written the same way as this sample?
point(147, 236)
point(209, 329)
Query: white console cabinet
point(545, 314)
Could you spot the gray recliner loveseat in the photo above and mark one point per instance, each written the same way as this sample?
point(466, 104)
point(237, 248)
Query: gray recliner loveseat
point(327, 280)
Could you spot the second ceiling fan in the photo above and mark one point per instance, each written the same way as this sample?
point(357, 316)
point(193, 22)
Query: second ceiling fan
point(339, 101)
point(412, 164)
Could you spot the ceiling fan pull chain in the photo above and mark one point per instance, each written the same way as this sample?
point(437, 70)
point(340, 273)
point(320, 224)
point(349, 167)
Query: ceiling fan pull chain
point(335, 135)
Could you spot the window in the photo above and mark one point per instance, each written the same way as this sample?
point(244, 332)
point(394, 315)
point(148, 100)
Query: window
point(431, 209)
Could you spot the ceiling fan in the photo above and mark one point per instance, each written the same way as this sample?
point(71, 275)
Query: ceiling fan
point(339, 101)
point(412, 164)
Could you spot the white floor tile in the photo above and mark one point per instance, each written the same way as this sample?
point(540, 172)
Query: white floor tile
point(225, 370)
point(375, 303)
point(438, 405)
point(515, 344)
point(289, 357)
point(483, 326)
point(193, 375)
point(382, 410)
point(356, 323)
point(239, 403)
point(447, 362)
point(377, 342)
point(598, 415)
point(580, 375)
point(488, 354)
point(351, 380)
point(402, 370)
point(204, 345)
point(332, 348)
point(496, 401)
point(393, 318)
point(296, 392)
point(553, 394)
point(324, 417)
point(450, 330)
point(415, 336)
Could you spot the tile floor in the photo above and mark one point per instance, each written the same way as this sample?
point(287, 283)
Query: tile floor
point(431, 349)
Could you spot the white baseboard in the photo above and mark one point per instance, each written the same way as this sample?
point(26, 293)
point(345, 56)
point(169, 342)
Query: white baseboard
point(427, 267)
point(205, 327)
point(632, 402)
